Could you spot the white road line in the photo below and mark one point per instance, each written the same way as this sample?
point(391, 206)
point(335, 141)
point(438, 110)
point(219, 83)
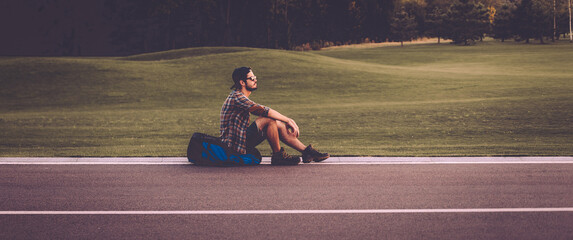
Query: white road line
point(264, 163)
point(266, 160)
point(95, 163)
point(268, 212)
point(268, 163)
point(444, 162)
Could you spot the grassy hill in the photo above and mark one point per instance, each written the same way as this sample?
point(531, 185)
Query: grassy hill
point(423, 100)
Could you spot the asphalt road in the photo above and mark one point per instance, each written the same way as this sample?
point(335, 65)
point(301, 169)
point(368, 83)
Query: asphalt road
point(420, 190)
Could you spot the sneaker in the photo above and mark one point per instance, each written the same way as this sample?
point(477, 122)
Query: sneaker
point(310, 154)
point(282, 158)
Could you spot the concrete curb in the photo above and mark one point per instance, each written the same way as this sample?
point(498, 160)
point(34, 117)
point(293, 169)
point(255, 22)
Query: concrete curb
point(445, 160)
point(266, 160)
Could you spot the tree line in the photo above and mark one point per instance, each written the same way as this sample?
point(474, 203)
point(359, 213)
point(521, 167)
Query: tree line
point(156, 25)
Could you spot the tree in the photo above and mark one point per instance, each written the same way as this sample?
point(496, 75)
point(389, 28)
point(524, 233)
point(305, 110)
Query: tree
point(502, 23)
point(468, 22)
point(378, 16)
point(570, 31)
point(554, 20)
point(416, 9)
point(560, 18)
point(145, 25)
point(435, 23)
point(403, 27)
point(310, 23)
point(339, 21)
point(70, 27)
point(532, 19)
point(484, 19)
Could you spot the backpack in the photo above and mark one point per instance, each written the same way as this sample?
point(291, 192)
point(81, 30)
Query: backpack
point(206, 150)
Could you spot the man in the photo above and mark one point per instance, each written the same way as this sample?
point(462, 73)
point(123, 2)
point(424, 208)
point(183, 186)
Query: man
point(270, 125)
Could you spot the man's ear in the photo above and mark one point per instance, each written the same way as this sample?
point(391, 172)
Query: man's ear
point(243, 83)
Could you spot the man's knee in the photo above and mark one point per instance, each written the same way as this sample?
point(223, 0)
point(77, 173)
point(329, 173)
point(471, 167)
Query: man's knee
point(281, 125)
point(264, 123)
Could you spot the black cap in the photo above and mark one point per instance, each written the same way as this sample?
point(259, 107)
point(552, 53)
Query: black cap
point(238, 75)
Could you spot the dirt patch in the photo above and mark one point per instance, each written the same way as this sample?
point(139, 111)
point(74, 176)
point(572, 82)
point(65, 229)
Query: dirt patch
point(390, 44)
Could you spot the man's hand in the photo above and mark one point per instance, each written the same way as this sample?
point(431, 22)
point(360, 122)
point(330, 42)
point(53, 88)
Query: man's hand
point(292, 128)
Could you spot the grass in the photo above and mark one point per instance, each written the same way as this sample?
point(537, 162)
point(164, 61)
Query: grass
point(422, 100)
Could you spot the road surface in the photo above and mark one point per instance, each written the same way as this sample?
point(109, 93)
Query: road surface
point(365, 200)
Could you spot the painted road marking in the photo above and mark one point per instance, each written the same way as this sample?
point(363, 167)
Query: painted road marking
point(268, 212)
point(266, 160)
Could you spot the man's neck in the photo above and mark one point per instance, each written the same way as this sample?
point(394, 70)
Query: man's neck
point(246, 92)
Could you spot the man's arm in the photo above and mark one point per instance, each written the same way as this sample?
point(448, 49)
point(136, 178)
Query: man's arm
point(289, 122)
point(261, 110)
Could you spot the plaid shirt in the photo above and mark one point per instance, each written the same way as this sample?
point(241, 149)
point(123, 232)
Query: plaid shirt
point(235, 119)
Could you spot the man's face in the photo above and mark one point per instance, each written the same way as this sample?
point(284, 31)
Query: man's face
point(251, 82)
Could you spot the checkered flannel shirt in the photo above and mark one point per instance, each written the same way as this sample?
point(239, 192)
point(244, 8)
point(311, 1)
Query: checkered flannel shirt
point(235, 119)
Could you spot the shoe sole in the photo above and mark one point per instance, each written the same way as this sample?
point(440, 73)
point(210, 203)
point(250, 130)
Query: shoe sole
point(316, 159)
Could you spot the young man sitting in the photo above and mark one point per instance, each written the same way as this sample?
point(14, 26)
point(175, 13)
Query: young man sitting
point(270, 124)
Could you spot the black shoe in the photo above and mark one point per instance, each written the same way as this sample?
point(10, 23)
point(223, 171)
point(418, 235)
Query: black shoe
point(282, 158)
point(310, 154)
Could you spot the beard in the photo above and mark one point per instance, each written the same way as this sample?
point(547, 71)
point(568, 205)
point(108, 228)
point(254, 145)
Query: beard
point(250, 88)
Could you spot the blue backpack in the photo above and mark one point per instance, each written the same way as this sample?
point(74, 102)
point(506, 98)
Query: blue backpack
point(206, 150)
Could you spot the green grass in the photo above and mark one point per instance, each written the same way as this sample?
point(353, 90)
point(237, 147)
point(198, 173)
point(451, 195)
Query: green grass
point(422, 100)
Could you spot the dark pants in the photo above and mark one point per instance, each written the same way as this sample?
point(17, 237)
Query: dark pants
point(254, 136)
